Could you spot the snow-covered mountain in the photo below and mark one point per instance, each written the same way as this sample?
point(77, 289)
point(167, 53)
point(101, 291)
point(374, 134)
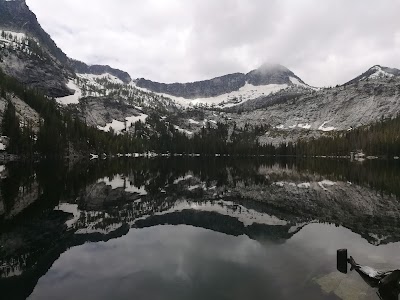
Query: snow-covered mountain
point(375, 72)
point(228, 90)
point(107, 98)
point(294, 114)
point(104, 96)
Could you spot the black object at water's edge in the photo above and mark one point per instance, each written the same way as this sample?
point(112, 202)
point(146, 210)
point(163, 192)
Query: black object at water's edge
point(341, 260)
point(387, 282)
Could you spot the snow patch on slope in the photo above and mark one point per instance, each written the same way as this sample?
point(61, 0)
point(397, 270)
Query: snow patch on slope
point(187, 132)
point(72, 99)
point(245, 93)
point(19, 36)
point(297, 82)
point(92, 78)
point(307, 126)
point(88, 79)
point(304, 126)
point(118, 126)
point(191, 121)
point(378, 73)
point(323, 128)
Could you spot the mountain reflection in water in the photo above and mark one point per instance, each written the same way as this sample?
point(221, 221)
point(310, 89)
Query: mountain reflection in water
point(195, 228)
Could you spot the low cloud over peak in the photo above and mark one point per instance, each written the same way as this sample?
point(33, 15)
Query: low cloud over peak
point(324, 42)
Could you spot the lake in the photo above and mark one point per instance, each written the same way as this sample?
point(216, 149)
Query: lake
point(196, 228)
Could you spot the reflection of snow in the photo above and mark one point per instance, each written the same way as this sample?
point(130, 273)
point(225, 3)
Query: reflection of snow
point(377, 238)
point(193, 187)
point(72, 209)
point(93, 228)
point(324, 183)
point(121, 182)
point(300, 185)
point(296, 227)
point(191, 121)
point(304, 185)
point(11, 270)
point(182, 178)
point(227, 208)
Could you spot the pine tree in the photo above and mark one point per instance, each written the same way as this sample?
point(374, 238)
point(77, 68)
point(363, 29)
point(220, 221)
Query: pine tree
point(10, 127)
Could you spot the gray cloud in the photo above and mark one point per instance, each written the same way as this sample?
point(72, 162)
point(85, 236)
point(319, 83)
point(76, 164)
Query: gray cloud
point(324, 42)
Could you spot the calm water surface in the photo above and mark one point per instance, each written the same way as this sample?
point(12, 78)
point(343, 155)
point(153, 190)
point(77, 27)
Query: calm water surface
point(195, 228)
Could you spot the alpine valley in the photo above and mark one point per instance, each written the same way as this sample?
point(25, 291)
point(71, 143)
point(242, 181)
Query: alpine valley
point(269, 108)
point(243, 186)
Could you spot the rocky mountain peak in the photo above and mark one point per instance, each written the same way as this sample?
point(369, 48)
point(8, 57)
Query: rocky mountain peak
point(271, 74)
point(271, 68)
point(376, 72)
point(385, 71)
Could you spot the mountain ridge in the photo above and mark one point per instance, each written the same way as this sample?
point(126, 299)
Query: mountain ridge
point(83, 68)
point(271, 95)
point(17, 18)
point(375, 71)
point(266, 74)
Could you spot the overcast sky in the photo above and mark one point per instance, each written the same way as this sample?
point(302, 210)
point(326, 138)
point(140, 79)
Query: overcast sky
point(324, 42)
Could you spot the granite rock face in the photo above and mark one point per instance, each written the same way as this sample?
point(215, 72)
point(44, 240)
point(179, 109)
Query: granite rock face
point(100, 111)
point(341, 108)
point(16, 16)
point(33, 59)
point(45, 74)
point(43, 65)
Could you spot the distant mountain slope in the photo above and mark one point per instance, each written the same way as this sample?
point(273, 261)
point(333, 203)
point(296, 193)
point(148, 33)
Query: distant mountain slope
point(272, 74)
point(293, 114)
point(265, 75)
point(82, 68)
point(376, 71)
point(206, 88)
